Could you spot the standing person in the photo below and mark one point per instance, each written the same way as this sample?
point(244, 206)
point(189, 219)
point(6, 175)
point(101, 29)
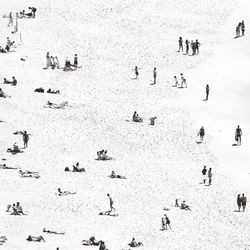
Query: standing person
point(243, 202)
point(154, 75)
point(237, 31)
point(56, 62)
point(10, 20)
point(25, 139)
point(193, 47)
point(167, 222)
point(111, 202)
point(182, 78)
point(176, 203)
point(180, 44)
point(242, 28)
point(197, 46)
point(239, 202)
point(184, 81)
point(238, 134)
point(187, 47)
point(204, 172)
point(136, 72)
point(207, 91)
point(201, 134)
point(210, 176)
point(48, 62)
point(75, 61)
point(163, 224)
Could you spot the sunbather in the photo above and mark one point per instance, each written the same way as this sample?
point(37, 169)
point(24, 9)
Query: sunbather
point(91, 242)
point(51, 232)
point(113, 175)
point(15, 149)
point(61, 193)
point(133, 243)
point(136, 117)
point(76, 168)
point(35, 238)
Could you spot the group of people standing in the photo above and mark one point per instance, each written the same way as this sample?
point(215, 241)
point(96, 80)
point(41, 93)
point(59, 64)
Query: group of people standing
point(206, 174)
point(240, 29)
point(241, 202)
point(194, 45)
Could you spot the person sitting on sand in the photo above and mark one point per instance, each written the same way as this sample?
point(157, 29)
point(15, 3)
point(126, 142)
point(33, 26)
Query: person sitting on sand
point(102, 246)
point(67, 65)
point(152, 120)
point(76, 168)
point(185, 206)
point(113, 175)
point(14, 209)
point(136, 117)
point(2, 94)
point(2, 50)
point(19, 209)
point(35, 238)
point(102, 155)
point(133, 243)
point(91, 242)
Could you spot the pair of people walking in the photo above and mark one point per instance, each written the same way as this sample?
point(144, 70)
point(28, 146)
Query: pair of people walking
point(241, 202)
point(183, 81)
point(165, 222)
point(206, 174)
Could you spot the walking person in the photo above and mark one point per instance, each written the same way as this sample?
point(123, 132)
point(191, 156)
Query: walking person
point(111, 202)
point(167, 222)
point(238, 134)
point(176, 82)
point(180, 44)
point(187, 47)
point(210, 176)
point(242, 28)
point(136, 72)
point(154, 75)
point(163, 224)
point(201, 133)
point(207, 91)
point(204, 172)
point(10, 20)
point(237, 31)
point(243, 202)
point(239, 202)
point(183, 81)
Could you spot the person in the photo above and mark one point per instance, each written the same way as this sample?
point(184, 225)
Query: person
point(136, 117)
point(10, 19)
point(52, 60)
point(243, 202)
point(57, 64)
point(19, 208)
point(197, 46)
point(242, 28)
point(75, 61)
point(133, 243)
point(111, 202)
point(207, 91)
point(193, 47)
point(154, 75)
point(33, 10)
point(187, 47)
point(67, 65)
point(152, 120)
point(113, 175)
point(14, 208)
point(14, 81)
point(2, 50)
point(239, 202)
point(102, 246)
point(167, 221)
point(237, 31)
point(163, 224)
point(25, 139)
point(180, 44)
point(238, 135)
point(136, 72)
point(184, 206)
point(176, 203)
point(210, 176)
point(204, 172)
point(48, 61)
point(16, 148)
point(183, 80)
point(201, 134)
point(34, 238)
point(176, 82)
point(2, 94)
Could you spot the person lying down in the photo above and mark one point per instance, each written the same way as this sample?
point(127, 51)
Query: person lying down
point(62, 193)
point(35, 238)
point(113, 175)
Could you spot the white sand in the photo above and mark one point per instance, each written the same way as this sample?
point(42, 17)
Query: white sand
point(161, 162)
